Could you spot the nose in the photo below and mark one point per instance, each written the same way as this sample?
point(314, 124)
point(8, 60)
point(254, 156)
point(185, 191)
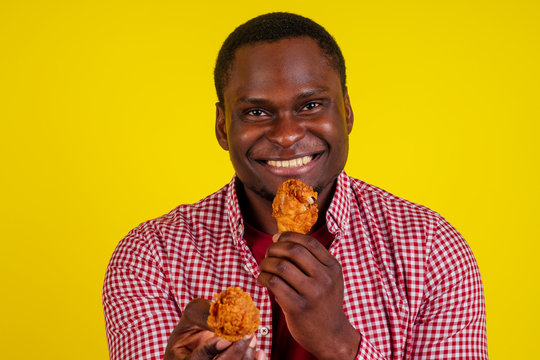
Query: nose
point(286, 130)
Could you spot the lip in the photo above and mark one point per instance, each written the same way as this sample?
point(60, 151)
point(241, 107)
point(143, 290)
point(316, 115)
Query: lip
point(291, 171)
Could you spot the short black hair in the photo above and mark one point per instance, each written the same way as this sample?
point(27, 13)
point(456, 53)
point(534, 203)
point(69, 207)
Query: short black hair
point(269, 28)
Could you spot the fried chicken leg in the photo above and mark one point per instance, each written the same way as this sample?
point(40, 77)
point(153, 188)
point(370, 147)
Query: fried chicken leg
point(233, 314)
point(294, 208)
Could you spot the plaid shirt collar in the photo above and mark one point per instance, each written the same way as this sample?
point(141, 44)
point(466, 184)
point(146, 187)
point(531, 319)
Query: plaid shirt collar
point(337, 216)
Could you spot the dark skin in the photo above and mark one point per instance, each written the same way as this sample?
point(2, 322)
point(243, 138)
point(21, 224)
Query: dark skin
point(283, 102)
point(308, 285)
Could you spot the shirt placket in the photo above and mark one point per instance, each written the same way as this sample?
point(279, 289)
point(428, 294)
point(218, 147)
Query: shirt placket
point(260, 293)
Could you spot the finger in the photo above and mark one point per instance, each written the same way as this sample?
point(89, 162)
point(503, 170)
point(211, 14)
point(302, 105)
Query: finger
point(297, 254)
point(250, 352)
point(196, 313)
point(191, 331)
point(209, 349)
point(311, 244)
point(202, 345)
point(189, 340)
point(238, 350)
point(288, 272)
point(285, 295)
point(260, 355)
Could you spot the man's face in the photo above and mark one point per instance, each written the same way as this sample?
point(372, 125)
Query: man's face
point(284, 116)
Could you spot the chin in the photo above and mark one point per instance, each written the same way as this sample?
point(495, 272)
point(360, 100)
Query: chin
point(263, 190)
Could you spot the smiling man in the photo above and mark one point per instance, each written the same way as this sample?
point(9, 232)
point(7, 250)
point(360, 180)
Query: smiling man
point(285, 114)
point(378, 278)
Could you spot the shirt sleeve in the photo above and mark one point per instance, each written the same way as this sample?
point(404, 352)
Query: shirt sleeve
point(139, 311)
point(451, 321)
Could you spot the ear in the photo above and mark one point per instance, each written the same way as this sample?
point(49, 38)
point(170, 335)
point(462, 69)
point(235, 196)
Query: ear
point(221, 126)
point(349, 116)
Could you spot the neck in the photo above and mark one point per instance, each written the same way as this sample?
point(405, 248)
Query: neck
point(257, 210)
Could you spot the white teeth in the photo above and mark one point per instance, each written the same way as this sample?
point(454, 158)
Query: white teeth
point(290, 163)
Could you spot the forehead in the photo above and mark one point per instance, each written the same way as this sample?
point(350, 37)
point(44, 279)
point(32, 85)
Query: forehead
point(280, 66)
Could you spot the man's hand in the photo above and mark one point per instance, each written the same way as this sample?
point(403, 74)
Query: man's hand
point(307, 283)
point(193, 339)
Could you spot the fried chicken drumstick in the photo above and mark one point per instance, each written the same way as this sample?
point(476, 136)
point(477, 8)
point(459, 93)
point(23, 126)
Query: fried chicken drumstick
point(294, 207)
point(233, 314)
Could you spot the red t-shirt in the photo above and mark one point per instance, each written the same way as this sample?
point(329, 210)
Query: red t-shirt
point(284, 346)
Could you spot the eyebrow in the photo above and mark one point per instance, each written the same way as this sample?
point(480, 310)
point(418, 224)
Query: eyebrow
point(311, 92)
point(300, 96)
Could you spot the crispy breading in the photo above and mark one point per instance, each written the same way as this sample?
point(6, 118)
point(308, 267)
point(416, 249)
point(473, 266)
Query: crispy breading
point(294, 208)
point(233, 314)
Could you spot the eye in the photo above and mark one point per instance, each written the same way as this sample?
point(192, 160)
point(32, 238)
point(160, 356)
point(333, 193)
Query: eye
point(311, 105)
point(256, 112)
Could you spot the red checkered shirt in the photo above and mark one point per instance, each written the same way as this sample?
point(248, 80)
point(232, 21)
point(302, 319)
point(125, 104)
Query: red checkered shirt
point(412, 286)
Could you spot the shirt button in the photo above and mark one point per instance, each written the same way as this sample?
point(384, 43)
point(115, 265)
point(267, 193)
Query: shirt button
point(263, 331)
point(246, 268)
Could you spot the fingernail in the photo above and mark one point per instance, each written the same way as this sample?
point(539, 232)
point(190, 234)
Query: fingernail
point(253, 342)
point(223, 344)
point(275, 237)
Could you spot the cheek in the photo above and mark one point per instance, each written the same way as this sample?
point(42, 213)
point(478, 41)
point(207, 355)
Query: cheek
point(242, 137)
point(334, 133)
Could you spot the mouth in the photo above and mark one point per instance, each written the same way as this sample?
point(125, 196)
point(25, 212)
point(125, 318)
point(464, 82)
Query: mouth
point(292, 167)
point(291, 163)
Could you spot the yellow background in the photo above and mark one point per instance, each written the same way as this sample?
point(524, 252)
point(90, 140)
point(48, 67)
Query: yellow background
point(107, 111)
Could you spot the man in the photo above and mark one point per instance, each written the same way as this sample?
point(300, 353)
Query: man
point(378, 277)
